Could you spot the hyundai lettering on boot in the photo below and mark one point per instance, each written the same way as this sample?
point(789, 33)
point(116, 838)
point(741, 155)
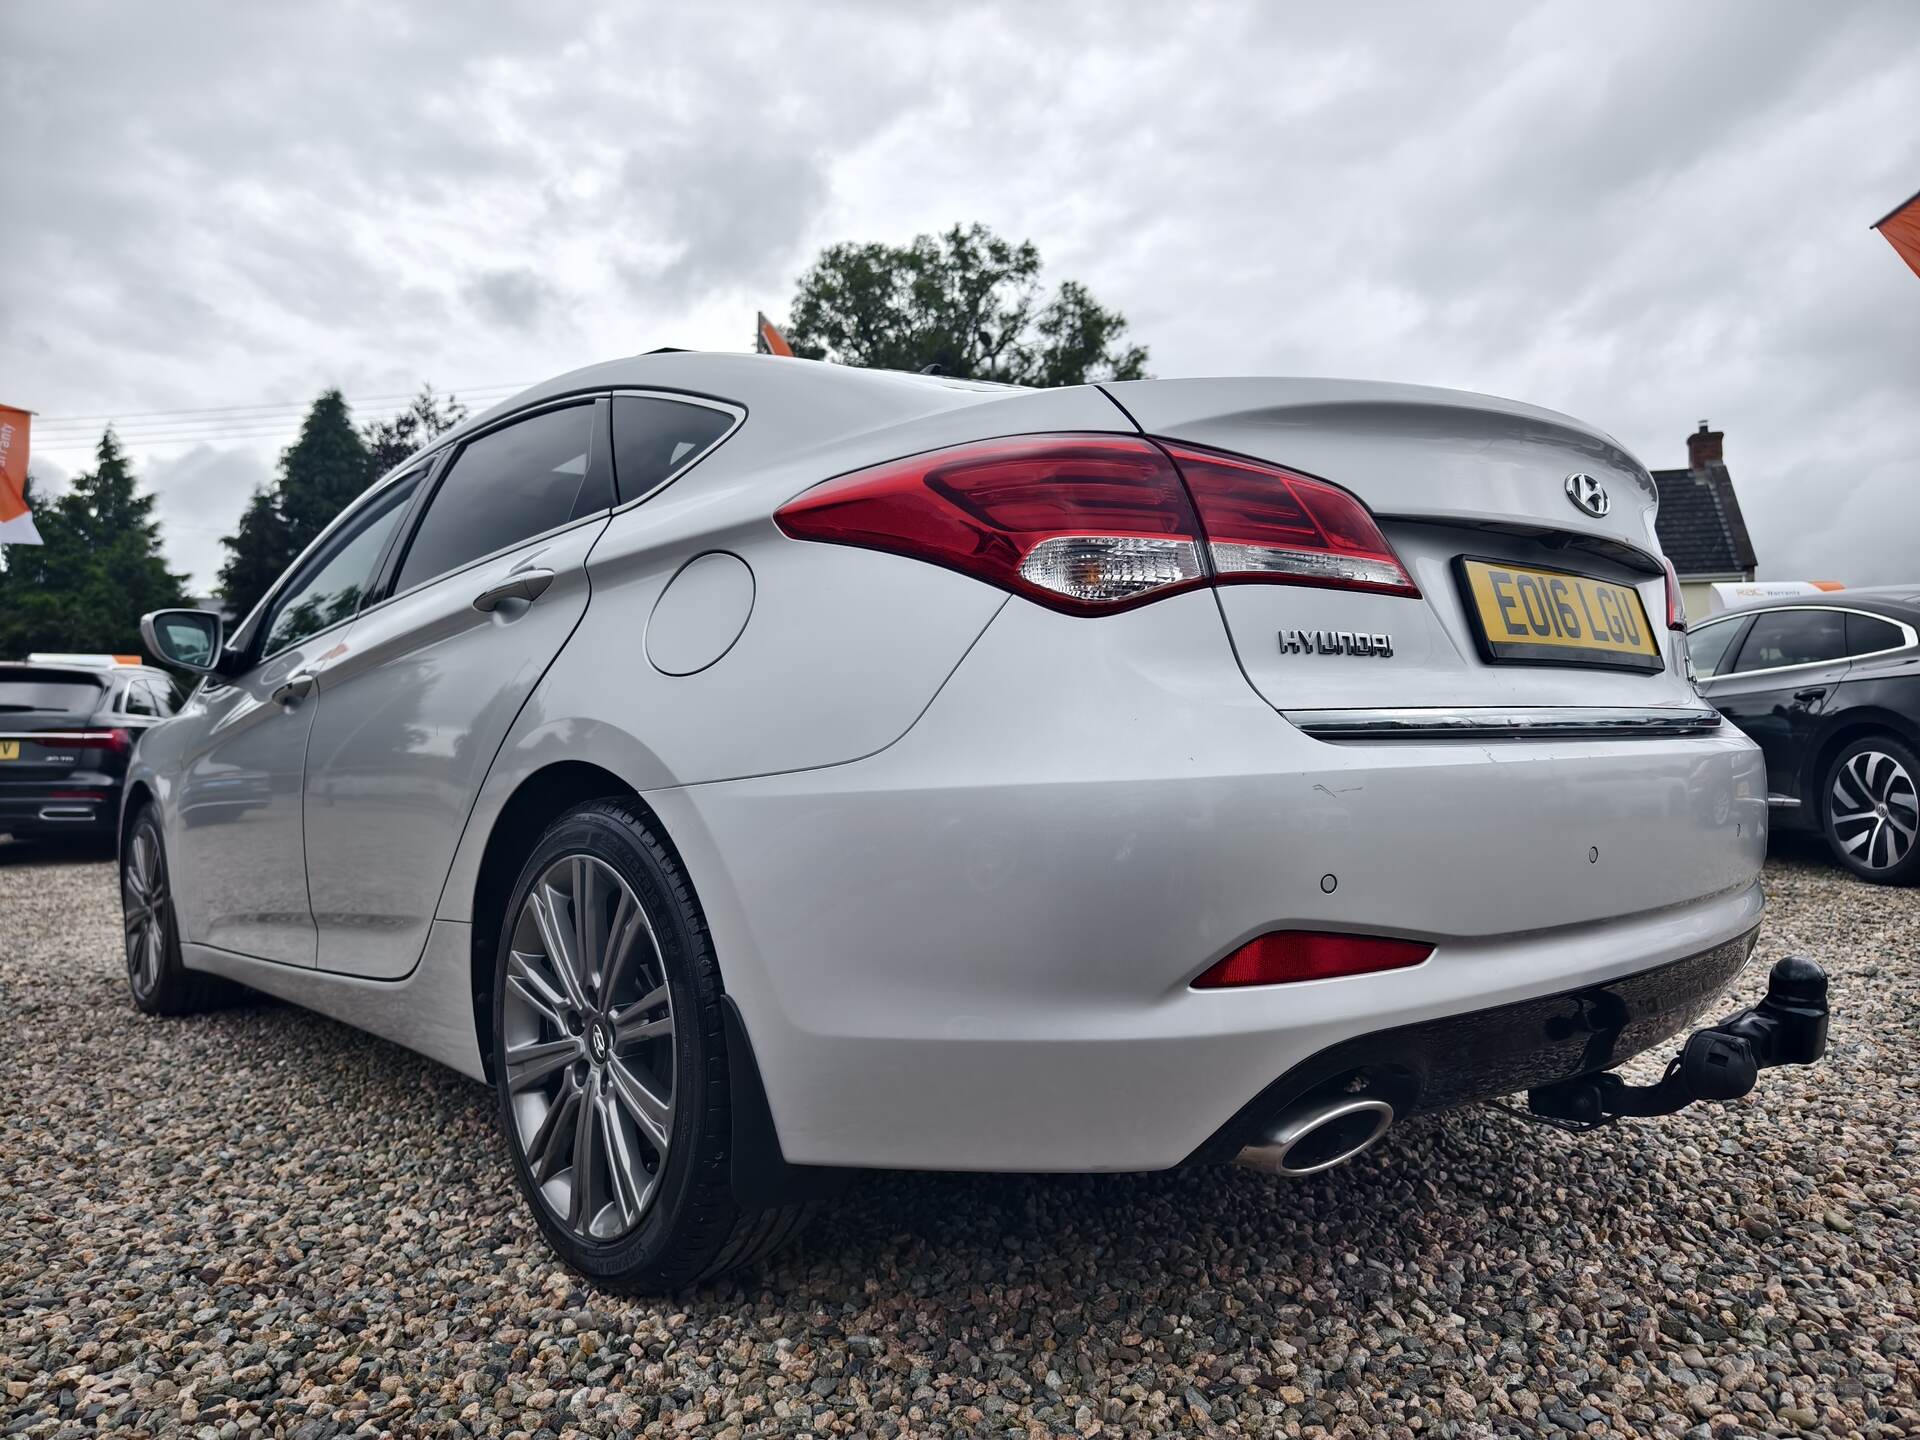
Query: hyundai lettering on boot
point(1334, 642)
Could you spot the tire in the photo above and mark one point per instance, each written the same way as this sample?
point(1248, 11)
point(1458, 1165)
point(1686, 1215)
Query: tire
point(159, 983)
point(618, 1068)
point(1870, 810)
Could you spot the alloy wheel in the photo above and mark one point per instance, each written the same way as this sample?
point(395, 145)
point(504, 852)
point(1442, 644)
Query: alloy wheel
point(587, 1026)
point(1875, 809)
point(145, 908)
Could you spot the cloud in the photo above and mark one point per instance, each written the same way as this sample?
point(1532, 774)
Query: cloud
point(1641, 215)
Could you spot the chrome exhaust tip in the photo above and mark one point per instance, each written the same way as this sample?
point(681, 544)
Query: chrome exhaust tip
point(1319, 1136)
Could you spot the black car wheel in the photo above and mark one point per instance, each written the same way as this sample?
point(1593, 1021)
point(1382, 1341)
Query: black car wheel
point(611, 1061)
point(1870, 805)
point(159, 982)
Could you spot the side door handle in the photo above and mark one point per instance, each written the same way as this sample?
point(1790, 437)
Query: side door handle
point(1812, 695)
point(526, 585)
point(295, 688)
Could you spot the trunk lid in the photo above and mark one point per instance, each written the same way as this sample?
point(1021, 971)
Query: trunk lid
point(1451, 478)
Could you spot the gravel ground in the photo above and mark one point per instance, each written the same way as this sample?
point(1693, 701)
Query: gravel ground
point(260, 1222)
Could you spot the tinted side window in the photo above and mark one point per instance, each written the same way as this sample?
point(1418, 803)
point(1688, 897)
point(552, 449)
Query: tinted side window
point(1708, 645)
point(139, 701)
point(653, 438)
point(1793, 637)
point(330, 588)
point(166, 696)
point(523, 480)
point(1865, 634)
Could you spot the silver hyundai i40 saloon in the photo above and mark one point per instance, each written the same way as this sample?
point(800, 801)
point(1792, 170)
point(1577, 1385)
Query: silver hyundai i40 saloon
point(757, 769)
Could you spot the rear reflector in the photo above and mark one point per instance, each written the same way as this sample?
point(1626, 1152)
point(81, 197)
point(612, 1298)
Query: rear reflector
point(1676, 602)
point(1264, 523)
point(1288, 955)
point(1092, 524)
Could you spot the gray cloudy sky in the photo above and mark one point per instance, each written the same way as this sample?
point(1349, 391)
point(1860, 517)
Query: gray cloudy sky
point(1643, 214)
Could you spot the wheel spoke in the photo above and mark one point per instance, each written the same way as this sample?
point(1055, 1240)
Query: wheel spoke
point(547, 1151)
point(623, 1180)
point(580, 1201)
point(534, 1061)
point(650, 1112)
point(629, 924)
point(530, 986)
point(586, 939)
point(543, 903)
point(631, 1024)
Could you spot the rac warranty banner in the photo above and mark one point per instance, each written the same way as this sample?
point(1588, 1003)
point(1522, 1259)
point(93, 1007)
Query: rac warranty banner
point(16, 521)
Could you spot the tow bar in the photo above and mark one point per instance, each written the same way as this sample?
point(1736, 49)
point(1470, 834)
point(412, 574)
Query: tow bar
point(1721, 1062)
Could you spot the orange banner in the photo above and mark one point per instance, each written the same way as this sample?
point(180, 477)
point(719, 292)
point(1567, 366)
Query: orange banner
point(1902, 229)
point(16, 521)
point(769, 341)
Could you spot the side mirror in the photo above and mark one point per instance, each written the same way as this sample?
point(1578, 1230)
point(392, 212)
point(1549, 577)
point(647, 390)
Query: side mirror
point(190, 639)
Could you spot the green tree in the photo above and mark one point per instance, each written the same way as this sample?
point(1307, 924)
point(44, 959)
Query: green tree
point(322, 472)
point(392, 440)
point(98, 571)
point(256, 554)
point(966, 303)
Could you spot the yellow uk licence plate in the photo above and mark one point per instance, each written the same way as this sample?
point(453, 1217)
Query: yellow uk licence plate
point(9, 749)
point(1552, 617)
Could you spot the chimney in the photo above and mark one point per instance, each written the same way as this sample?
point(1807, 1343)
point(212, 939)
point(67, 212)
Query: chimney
point(1704, 448)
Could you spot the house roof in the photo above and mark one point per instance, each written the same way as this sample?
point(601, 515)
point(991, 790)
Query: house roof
point(1701, 528)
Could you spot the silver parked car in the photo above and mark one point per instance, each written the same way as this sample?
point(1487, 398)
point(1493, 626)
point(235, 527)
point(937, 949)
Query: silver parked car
point(757, 769)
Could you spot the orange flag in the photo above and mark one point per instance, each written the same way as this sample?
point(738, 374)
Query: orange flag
point(1902, 229)
point(16, 521)
point(769, 341)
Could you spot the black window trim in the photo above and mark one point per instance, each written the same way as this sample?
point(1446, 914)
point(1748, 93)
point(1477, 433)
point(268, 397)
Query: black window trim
point(738, 412)
point(1908, 638)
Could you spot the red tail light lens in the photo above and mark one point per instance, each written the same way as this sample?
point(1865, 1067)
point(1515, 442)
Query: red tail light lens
point(1087, 524)
point(1676, 602)
point(1267, 524)
point(1289, 955)
point(1091, 524)
point(119, 742)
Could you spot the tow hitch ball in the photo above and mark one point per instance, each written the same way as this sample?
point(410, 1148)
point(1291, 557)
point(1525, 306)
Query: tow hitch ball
point(1722, 1062)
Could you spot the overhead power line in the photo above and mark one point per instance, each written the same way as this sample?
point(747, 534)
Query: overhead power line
point(300, 407)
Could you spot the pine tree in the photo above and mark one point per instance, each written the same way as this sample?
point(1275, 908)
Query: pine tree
point(257, 553)
point(322, 472)
point(98, 571)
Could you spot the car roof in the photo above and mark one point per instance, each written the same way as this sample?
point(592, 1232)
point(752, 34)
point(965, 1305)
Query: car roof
point(1899, 602)
point(54, 669)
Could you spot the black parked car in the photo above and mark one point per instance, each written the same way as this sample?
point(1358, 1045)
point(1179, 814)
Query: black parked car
point(1830, 690)
point(67, 725)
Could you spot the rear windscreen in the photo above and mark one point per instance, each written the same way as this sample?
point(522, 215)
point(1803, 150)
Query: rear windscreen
point(48, 693)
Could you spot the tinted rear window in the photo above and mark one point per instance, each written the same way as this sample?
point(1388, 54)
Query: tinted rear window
point(48, 693)
point(653, 438)
point(1865, 634)
point(1793, 637)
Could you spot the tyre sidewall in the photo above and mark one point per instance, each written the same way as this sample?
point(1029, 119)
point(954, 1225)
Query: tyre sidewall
point(1908, 870)
point(699, 1066)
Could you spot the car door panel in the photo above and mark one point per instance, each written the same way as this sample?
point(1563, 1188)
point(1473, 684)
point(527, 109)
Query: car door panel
point(239, 849)
point(1779, 707)
point(416, 709)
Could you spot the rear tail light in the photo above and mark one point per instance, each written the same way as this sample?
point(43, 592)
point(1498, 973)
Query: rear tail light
point(1676, 602)
point(1285, 956)
point(1092, 524)
point(1264, 523)
point(118, 742)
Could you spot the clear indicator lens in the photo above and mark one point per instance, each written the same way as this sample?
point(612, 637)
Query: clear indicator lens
point(1109, 567)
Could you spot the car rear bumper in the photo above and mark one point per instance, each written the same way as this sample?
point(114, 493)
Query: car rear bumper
point(974, 949)
point(69, 807)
